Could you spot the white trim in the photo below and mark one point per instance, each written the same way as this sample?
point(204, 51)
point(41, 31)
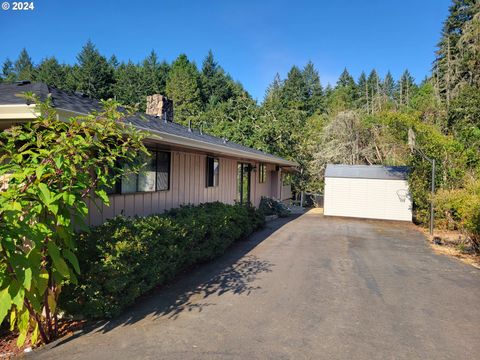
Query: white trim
point(18, 112)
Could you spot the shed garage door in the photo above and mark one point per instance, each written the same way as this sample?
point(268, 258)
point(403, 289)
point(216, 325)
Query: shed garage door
point(374, 192)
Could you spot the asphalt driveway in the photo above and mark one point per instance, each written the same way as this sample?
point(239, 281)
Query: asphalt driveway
point(304, 288)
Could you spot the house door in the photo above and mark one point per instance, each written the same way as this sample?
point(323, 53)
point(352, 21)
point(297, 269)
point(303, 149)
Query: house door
point(243, 182)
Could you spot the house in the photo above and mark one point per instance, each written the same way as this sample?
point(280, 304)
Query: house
point(367, 191)
point(186, 166)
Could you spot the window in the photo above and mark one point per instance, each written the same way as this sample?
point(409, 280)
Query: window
point(262, 173)
point(213, 170)
point(154, 176)
point(163, 170)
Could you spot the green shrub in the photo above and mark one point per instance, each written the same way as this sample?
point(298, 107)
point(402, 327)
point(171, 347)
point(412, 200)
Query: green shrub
point(271, 206)
point(460, 209)
point(126, 257)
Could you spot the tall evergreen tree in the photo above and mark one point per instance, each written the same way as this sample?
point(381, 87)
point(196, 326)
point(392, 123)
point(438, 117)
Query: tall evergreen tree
point(50, 72)
point(215, 84)
point(273, 93)
point(363, 94)
point(449, 65)
point(315, 100)
point(373, 81)
point(374, 91)
point(24, 68)
point(469, 49)
point(94, 76)
point(184, 89)
point(8, 71)
point(127, 89)
point(154, 74)
point(113, 62)
point(405, 88)
point(388, 86)
point(71, 77)
point(295, 91)
point(345, 93)
point(345, 79)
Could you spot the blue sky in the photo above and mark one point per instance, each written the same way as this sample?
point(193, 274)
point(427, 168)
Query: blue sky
point(252, 40)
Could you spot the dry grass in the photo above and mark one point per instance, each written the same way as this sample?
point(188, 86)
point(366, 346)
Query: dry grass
point(454, 244)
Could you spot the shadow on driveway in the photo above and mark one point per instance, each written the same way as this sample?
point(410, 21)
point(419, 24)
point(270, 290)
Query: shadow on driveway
point(232, 273)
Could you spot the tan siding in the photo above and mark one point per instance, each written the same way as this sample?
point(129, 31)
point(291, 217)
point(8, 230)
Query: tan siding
point(187, 186)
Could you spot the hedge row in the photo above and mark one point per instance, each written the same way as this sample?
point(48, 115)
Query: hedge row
point(126, 257)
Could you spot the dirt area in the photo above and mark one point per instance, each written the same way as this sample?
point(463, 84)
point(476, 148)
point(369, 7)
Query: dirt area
point(454, 244)
point(8, 339)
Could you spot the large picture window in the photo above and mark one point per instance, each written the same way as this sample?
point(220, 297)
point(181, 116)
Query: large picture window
point(262, 173)
point(213, 170)
point(154, 176)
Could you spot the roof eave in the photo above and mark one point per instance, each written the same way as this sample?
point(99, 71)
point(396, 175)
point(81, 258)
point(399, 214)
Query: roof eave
point(209, 147)
point(27, 112)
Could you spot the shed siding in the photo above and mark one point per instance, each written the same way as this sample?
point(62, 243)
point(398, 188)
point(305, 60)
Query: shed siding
point(187, 186)
point(366, 198)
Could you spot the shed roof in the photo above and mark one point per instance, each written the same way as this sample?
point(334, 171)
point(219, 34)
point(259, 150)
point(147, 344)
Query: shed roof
point(367, 172)
point(10, 94)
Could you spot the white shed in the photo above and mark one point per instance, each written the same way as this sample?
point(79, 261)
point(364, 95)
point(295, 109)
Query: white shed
point(367, 191)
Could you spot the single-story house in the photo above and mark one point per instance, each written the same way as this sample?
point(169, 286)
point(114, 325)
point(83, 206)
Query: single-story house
point(186, 166)
point(367, 191)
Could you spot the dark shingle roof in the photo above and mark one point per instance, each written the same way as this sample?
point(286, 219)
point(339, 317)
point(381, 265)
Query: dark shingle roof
point(367, 172)
point(9, 94)
point(12, 93)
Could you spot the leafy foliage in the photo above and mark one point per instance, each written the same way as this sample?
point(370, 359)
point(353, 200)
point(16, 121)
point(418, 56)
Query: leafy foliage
point(126, 257)
point(49, 169)
point(460, 209)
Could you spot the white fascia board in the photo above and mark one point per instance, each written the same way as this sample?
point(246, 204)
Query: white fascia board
point(18, 112)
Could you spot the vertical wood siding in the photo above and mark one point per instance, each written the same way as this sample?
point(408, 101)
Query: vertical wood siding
point(187, 186)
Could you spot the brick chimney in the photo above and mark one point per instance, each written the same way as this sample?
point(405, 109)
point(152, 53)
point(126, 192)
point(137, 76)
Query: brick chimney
point(159, 105)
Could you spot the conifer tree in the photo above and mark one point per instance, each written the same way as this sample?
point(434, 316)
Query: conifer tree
point(127, 88)
point(295, 92)
point(315, 100)
point(113, 62)
point(216, 86)
point(363, 94)
point(273, 92)
point(8, 71)
point(388, 86)
point(184, 89)
point(154, 74)
point(94, 76)
point(449, 65)
point(405, 88)
point(24, 68)
point(373, 84)
point(50, 72)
